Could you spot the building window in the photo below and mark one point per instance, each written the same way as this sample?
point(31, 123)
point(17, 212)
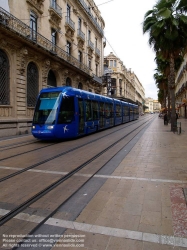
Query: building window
point(68, 81)
point(111, 63)
point(120, 86)
point(96, 69)
point(51, 80)
point(33, 26)
point(68, 10)
point(53, 4)
point(80, 86)
point(114, 63)
point(53, 36)
point(79, 23)
point(4, 79)
point(79, 56)
point(32, 84)
point(96, 42)
point(89, 35)
point(89, 63)
point(68, 48)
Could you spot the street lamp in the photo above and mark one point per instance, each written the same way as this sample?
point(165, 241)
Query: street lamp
point(107, 80)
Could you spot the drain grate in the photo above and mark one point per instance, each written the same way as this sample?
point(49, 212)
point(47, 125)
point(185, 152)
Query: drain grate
point(185, 194)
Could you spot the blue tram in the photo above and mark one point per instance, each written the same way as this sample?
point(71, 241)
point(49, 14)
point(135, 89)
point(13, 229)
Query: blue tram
point(66, 112)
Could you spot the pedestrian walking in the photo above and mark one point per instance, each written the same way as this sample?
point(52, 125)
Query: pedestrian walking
point(165, 119)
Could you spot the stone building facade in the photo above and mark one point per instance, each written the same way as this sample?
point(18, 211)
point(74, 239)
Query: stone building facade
point(46, 43)
point(124, 83)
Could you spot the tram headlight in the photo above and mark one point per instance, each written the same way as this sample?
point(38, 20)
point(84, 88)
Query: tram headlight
point(33, 127)
point(50, 127)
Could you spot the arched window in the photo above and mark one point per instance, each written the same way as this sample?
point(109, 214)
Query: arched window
point(68, 81)
point(80, 86)
point(51, 80)
point(4, 79)
point(32, 84)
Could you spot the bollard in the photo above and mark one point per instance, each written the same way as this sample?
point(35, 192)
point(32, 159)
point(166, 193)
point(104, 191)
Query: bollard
point(178, 128)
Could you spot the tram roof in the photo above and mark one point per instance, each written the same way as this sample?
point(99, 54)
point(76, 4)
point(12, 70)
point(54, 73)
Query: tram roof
point(83, 94)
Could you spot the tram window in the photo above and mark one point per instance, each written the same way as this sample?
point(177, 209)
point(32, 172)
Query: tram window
point(67, 110)
point(118, 110)
point(126, 111)
point(95, 108)
point(107, 110)
point(111, 110)
point(46, 108)
point(88, 110)
point(101, 109)
point(131, 111)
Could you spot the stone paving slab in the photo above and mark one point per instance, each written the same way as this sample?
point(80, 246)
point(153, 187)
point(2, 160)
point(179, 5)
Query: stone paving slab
point(142, 202)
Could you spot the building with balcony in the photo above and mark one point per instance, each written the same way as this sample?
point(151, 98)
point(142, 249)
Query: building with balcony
point(149, 104)
point(156, 106)
point(124, 83)
point(46, 43)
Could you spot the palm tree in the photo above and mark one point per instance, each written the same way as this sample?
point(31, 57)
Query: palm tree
point(166, 24)
point(161, 83)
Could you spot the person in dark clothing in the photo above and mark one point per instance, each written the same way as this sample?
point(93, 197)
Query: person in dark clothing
point(165, 119)
point(177, 116)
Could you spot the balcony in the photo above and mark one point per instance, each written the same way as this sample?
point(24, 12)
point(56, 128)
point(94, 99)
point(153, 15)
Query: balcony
point(91, 17)
point(97, 51)
point(55, 13)
point(90, 45)
point(80, 35)
point(11, 23)
point(37, 4)
point(70, 27)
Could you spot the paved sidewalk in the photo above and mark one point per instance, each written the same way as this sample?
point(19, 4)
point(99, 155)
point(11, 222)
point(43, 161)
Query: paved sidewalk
point(142, 205)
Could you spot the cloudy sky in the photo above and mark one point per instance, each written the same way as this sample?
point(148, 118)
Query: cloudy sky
point(123, 31)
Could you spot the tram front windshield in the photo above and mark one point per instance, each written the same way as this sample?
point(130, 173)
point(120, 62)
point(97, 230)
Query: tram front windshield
point(46, 108)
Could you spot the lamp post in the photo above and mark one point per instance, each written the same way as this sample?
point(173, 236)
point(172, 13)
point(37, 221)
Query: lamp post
point(107, 80)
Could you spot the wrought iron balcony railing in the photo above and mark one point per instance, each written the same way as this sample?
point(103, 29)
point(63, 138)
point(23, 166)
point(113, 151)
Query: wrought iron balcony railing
point(70, 22)
point(81, 34)
point(90, 44)
point(97, 51)
point(56, 7)
point(13, 24)
point(97, 79)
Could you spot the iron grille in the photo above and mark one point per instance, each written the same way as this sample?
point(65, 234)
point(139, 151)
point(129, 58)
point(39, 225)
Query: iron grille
point(4, 79)
point(32, 84)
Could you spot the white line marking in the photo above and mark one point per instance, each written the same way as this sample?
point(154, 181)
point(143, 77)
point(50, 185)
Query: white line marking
point(98, 176)
point(116, 232)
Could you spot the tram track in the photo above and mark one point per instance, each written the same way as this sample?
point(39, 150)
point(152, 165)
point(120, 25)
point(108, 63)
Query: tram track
point(20, 144)
point(51, 187)
point(56, 156)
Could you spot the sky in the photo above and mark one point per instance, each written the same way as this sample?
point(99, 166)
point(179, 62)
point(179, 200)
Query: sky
point(125, 38)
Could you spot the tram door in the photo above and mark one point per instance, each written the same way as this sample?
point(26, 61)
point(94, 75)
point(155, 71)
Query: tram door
point(81, 116)
point(101, 114)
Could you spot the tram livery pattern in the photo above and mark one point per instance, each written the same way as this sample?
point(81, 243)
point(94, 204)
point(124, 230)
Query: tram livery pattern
point(66, 112)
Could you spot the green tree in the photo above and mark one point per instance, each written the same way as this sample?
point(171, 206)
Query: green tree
point(166, 25)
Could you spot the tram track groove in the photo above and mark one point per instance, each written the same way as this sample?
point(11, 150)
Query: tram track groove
point(54, 157)
point(49, 188)
point(35, 141)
